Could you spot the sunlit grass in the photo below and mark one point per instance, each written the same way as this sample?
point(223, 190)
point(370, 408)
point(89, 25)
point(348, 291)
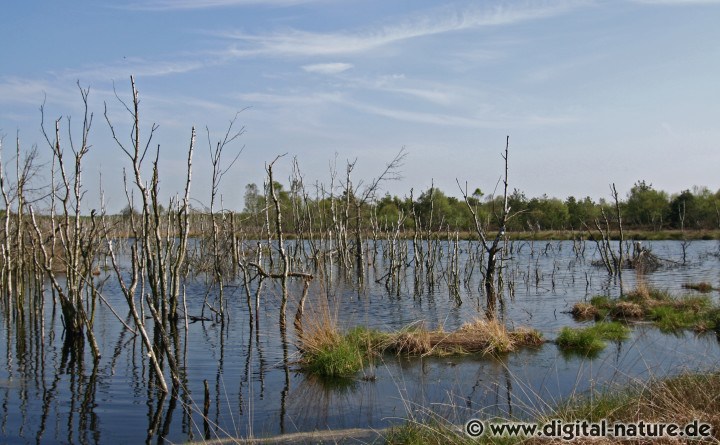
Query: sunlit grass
point(681, 399)
point(590, 340)
point(668, 312)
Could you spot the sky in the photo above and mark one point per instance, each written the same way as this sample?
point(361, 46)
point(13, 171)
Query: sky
point(590, 93)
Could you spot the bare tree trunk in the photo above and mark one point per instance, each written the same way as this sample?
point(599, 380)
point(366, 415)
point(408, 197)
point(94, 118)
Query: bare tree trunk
point(492, 248)
point(280, 244)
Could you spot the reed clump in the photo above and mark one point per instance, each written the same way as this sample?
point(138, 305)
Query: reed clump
point(327, 352)
point(584, 311)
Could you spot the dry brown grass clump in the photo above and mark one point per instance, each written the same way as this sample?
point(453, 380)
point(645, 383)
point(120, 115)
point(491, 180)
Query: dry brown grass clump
point(477, 336)
point(524, 336)
point(415, 342)
point(584, 311)
point(679, 400)
point(487, 336)
point(627, 310)
point(319, 330)
point(640, 293)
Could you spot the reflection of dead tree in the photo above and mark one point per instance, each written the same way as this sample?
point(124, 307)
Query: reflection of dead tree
point(495, 246)
point(685, 242)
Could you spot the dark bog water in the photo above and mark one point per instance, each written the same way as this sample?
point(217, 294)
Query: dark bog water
point(52, 395)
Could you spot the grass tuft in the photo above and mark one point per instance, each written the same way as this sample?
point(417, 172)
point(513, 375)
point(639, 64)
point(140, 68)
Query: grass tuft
point(584, 311)
point(627, 310)
point(589, 341)
point(668, 312)
point(477, 336)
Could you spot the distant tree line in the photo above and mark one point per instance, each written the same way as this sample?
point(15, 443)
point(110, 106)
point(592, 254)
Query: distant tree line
point(644, 208)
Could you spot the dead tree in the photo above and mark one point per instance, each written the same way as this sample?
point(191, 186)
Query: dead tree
point(611, 260)
point(76, 243)
point(285, 265)
point(163, 252)
point(285, 272)
point(217, 174)
point(158, 249)
point(492, 247)
point(359, 200)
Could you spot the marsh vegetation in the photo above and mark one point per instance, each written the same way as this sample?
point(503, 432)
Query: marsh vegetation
point(397, 306)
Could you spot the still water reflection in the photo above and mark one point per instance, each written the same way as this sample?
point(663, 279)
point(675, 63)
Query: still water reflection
point(51, 392)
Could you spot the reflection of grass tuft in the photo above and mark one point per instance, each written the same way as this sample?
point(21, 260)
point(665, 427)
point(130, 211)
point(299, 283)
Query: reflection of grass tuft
point(702, 286)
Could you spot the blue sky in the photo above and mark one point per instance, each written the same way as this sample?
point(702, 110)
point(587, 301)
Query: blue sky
point(590, 92)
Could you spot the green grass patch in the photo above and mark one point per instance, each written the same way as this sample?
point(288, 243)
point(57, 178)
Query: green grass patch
point(329, 354)
point(610, 330)
point(341, 359)
point(670, 319)
point(590, 341)
point(666, 311)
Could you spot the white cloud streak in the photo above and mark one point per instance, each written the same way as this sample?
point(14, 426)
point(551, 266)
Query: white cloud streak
point(136, 66)
point(178, 5)
point(437, 21)
point(33, 91)
point(327, 68)
point(678, 2)
point(482, 120)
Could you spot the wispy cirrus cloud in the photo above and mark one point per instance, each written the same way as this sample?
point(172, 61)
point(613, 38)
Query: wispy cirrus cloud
point(483, 119)
point(33, 91)
point(137, 66)
point(678, 2)
point(171, 5)
point(327, 68)
point(430, 22)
